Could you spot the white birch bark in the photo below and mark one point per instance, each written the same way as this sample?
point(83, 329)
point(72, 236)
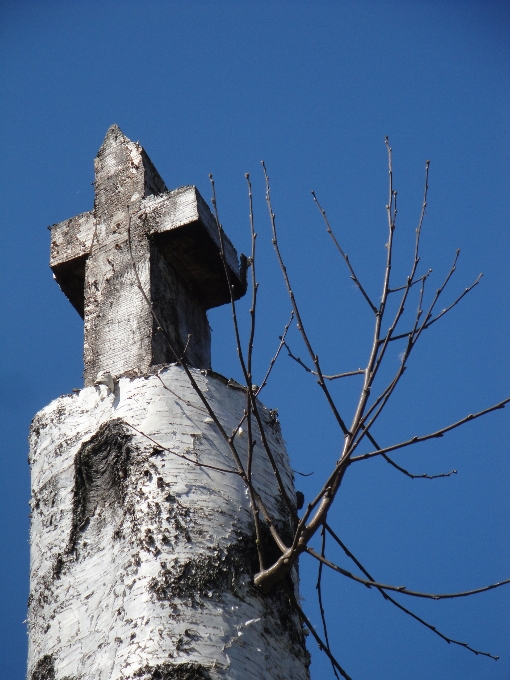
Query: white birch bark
point(141, 562)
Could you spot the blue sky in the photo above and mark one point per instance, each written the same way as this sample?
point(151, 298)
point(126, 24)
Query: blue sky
point(312, 88)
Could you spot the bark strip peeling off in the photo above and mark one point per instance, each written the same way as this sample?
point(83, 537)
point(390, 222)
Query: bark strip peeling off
point(142, 562)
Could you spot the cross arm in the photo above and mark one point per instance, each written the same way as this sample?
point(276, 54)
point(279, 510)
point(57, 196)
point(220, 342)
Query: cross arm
point(71, 241)
point(184, 229)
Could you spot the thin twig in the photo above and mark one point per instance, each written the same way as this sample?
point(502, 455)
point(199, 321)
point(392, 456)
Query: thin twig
point(313, 632)
point(402, 589)
point(319, 594)
point(427, 323)
point(344, 255)
point(401, 607)
point(416, 334)
point(255, 285)
point(251, 493)
point(290, 292)
point(249, 359)
point(374, 362)
point(412, 476)
point(396, 290)
point(403, 470)
point(186, 346)
point(445, 311)
point(422, 217)
point(381, 346)
point(360, 371)
point(247, 377)
point(268, 372)
point(432, 435)
point(441, 314)
point(302, 474)
point(273, 360)
point(391, 210)
point(384, 397)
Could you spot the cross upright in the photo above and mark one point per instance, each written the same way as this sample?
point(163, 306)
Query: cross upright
point(139, 233)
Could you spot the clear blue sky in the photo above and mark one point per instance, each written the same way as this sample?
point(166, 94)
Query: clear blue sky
point(312, 88)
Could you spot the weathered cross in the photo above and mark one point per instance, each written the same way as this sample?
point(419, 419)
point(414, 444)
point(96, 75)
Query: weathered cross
point(139, 233)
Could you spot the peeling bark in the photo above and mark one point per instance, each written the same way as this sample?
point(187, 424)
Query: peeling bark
point(142, 563)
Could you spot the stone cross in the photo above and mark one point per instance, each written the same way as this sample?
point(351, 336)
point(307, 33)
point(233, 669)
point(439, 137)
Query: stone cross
point(140, 231)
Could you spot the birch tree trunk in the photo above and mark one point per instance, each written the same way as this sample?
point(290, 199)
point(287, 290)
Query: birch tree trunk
point(142, 558)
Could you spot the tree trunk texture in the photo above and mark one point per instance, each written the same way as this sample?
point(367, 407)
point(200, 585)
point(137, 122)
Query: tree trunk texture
point(142, 562)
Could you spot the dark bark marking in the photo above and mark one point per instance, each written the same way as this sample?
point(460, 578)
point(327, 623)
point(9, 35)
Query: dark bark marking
point(215, 571)
point(169, 671)
point(101, 467)
point(220, 569)
point(44, 669)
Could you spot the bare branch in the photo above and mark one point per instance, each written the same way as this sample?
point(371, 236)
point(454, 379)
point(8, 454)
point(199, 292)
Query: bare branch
point(410, 279)
point(319, 595)
point(255, 285)
point(325, 498)
point(302, 474)
point(422, 217)
point(383, 398)
point(391, 210)
point(322, 503)
point(412, 476)
point(445, 311)
point(403, 470)
point(404, 609)
point(247, 375)
point(402, 589)
point(344, 255)
point(313, 632)
point(439, 433)
point(396, 290)
point(268, 372)
point(441, 314)
point(301, 328)
point(249, 359)
point(273, 360)
point(360, 371)
point(374, 361)
point(415, 335)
